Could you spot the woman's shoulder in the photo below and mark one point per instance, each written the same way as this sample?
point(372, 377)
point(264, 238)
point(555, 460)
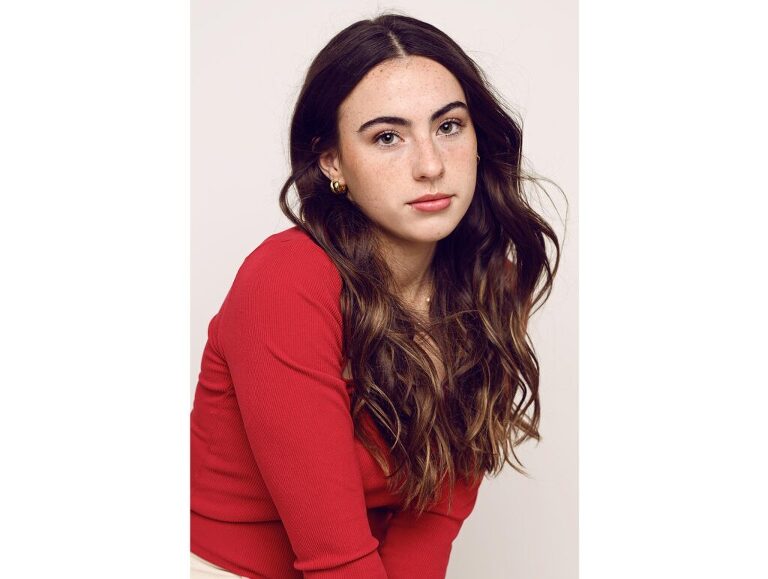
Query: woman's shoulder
point(289, 257)
point(285, 286)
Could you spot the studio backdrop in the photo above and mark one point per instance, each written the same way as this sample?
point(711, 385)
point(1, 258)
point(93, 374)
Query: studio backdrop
point(248, 60)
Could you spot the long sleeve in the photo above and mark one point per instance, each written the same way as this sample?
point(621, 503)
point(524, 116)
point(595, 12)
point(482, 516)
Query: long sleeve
point(420, 547)
point(280, 333)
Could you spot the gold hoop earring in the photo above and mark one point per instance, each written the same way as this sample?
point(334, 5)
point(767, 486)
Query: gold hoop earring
point(337, 187)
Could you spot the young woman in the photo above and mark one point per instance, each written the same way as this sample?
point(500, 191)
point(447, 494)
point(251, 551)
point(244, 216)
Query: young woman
point(371, 364)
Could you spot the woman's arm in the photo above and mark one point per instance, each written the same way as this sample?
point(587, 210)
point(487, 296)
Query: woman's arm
point(280, 333)
point(420, 547)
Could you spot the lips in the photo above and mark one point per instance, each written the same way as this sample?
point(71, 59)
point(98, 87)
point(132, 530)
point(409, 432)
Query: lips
point(430, 197)
point(431, 205)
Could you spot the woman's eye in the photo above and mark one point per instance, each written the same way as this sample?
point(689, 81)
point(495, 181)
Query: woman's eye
point(389, 136)
point(449, 124)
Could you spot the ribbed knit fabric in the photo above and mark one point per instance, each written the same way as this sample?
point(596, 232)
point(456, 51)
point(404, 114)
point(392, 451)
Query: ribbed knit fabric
point(280, 486)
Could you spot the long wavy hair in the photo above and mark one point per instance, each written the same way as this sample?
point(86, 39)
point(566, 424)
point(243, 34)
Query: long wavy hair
point(490, 274)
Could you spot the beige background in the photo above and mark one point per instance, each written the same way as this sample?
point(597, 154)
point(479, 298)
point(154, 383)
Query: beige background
point(247, 63)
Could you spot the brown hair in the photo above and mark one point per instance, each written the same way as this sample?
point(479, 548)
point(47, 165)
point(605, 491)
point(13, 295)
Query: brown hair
point(490, 273)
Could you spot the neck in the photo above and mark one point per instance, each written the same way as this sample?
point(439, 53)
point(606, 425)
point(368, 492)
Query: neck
point(410, 264)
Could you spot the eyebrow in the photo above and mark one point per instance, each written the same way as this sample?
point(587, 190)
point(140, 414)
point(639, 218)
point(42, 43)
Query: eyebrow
point(406, 123)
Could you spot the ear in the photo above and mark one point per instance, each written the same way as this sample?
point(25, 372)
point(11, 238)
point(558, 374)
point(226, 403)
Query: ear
point(330, 166)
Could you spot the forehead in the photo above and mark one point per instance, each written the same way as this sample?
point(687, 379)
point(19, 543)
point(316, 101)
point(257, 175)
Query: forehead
point(411, 87)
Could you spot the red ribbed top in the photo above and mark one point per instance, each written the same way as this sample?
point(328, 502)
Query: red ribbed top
point(281, 488)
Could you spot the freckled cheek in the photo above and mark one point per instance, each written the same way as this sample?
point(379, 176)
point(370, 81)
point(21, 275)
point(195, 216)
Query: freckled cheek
point(364, 162)
point(378, 174)
point(461, 152)
point(368, 183)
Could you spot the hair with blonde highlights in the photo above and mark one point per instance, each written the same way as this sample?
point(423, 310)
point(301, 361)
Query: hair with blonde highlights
point(490, 274)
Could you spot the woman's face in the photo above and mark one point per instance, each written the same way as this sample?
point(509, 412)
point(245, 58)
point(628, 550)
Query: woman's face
point(426, 144)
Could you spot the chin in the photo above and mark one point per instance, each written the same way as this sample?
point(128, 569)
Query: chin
point(432, 234)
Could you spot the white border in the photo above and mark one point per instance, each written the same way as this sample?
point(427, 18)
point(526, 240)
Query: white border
point(673, 291)
point(94, 224)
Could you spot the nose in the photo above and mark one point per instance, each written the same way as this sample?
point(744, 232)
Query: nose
point(429, 161)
